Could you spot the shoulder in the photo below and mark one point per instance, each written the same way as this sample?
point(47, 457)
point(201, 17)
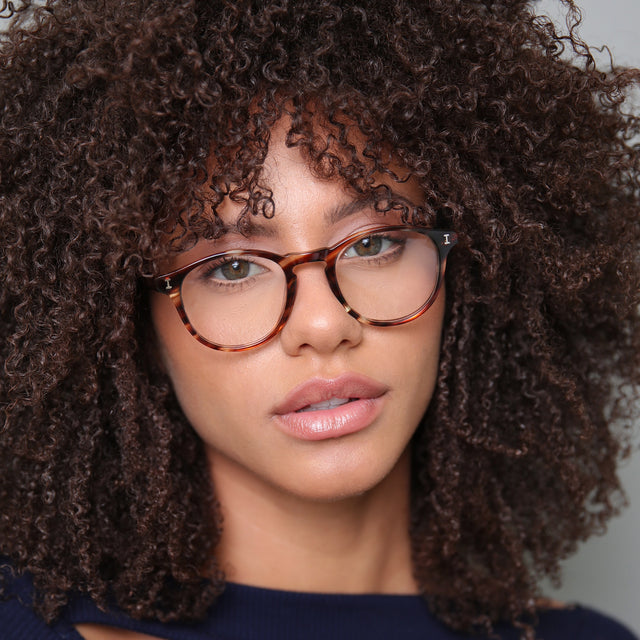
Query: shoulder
point(580, 623)
point(18, 621)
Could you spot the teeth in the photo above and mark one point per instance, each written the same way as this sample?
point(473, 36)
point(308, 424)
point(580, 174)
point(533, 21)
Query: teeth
point(327, 404)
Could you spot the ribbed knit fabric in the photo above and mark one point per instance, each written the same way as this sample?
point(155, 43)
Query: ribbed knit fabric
point(251, 613)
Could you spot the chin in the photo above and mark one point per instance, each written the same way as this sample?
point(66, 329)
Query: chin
point(339, 492)
point(342, 483)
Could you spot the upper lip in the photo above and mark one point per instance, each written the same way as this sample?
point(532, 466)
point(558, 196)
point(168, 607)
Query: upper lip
point(348, 385)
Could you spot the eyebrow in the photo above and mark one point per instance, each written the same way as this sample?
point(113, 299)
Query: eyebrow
point(249, 228)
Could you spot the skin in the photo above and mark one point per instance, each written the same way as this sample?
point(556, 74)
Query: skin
point(339, 507)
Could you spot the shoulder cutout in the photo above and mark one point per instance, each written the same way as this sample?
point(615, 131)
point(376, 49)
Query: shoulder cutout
point(103, 632)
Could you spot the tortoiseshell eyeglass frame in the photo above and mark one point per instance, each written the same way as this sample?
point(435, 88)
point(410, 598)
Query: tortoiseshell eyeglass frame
point(171, 283)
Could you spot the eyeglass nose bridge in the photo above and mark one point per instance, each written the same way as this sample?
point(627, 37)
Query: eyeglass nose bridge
point(289, 263)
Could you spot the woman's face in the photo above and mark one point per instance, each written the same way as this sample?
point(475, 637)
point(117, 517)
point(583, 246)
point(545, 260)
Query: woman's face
point(252, 408)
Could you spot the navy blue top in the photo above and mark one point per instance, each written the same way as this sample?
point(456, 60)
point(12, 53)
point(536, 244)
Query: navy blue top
point(251, 613)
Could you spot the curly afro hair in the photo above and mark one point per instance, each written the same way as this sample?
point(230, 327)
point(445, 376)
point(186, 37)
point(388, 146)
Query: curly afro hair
point(110, 113)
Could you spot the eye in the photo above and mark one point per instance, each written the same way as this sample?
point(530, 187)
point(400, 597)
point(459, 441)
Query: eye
point(236, 270)
point(371, 246)
point(230, 270)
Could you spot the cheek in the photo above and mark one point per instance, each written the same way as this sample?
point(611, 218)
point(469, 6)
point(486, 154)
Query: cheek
point(179, 353)
point(169, 330)
point(418, 361)
point(208, 384)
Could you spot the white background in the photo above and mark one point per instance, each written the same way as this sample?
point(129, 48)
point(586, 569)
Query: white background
point(606, 572)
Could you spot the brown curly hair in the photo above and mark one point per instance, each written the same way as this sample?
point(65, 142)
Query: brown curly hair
point(109, 115)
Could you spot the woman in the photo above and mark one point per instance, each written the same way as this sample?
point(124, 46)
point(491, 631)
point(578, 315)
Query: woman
point(316, 318)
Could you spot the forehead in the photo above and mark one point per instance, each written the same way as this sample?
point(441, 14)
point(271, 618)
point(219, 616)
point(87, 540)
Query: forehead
point(296, 176)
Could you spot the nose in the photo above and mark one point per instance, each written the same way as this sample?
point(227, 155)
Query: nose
point(318, 321)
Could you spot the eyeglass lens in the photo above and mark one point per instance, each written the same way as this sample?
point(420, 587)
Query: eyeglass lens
point(383, 276)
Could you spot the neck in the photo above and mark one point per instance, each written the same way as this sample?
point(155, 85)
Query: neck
point(277, 540)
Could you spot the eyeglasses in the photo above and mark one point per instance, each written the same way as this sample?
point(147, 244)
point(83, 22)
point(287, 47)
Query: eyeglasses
point(236, 300)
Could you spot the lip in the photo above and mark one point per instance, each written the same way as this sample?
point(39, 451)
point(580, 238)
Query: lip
point(367, 401)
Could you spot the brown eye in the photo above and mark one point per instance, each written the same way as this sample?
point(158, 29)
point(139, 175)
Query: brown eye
point(365, 247)
point(230, 271)
point(234, 269)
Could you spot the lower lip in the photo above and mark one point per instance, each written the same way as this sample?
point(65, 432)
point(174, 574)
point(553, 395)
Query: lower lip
point(340, 421)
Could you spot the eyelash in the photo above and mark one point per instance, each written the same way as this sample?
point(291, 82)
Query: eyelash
point(207, 273)
point(387, 255)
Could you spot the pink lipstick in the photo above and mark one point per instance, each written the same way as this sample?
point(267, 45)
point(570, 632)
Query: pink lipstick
point(320, 409)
